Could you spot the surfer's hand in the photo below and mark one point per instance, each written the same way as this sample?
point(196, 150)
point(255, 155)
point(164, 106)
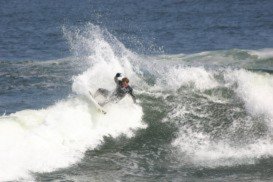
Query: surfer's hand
point(118, 74)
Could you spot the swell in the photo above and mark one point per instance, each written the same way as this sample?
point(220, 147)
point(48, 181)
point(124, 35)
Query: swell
point(216, 111)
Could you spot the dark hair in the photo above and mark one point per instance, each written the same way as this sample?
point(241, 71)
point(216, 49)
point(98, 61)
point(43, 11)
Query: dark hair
point(125, 80)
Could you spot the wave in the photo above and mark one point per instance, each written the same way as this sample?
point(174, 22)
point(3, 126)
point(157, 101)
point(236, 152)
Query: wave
point(228, 122)
point(219, 101)
point(37, 141)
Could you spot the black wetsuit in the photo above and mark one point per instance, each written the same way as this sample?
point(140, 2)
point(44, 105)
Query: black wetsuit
point(118, 94)
point(121, 91)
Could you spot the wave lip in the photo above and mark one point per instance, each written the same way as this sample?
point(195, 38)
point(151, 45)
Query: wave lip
point(256, 90)
point(262, 53)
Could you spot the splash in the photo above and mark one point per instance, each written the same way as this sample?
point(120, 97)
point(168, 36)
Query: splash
point(105, 55)
point(56, 137)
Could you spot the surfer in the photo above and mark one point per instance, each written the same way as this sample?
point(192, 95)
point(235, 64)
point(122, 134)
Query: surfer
point(122, 89)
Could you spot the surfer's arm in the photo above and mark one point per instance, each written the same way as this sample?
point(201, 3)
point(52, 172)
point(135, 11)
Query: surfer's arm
point(116, 78)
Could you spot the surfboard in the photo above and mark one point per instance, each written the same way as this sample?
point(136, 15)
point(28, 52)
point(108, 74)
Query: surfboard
point(96, 104)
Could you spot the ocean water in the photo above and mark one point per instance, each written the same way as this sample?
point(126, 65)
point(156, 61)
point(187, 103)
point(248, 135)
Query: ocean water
point(201, 70)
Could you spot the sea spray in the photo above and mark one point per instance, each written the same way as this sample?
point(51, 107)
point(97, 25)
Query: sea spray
point(38, 141)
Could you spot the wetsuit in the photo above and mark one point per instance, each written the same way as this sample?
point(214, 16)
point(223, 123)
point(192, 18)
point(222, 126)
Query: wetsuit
point(121, 91)
point(118, 94)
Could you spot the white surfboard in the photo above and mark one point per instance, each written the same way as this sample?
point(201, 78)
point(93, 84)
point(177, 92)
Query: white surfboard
point(96, 104)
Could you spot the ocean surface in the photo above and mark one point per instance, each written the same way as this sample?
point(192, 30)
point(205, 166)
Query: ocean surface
point(202, 71)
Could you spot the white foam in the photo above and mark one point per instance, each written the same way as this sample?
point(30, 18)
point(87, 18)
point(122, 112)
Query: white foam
point(175, 77)
point(263, 53)
point(106, 55)
point(44, 140)
point(202, 151)
point(56, 137)
point(255, 89)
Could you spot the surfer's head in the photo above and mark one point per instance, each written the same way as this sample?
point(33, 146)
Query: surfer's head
point(125, 82)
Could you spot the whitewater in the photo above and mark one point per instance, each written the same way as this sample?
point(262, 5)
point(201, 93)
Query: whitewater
point(209, 110)
point(58, 136)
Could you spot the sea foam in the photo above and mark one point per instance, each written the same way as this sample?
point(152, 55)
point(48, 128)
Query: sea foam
point(43, 140)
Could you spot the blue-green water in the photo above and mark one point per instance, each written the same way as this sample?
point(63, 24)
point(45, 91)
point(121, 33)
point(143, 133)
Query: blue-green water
point(201, 70)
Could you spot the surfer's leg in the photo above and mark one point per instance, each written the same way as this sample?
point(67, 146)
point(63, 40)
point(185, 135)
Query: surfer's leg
point(104, 103)
point(111, 99)
point(103, 92)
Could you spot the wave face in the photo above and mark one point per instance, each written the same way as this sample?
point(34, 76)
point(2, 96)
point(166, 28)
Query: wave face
point(43, 140)
point(199, 114)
